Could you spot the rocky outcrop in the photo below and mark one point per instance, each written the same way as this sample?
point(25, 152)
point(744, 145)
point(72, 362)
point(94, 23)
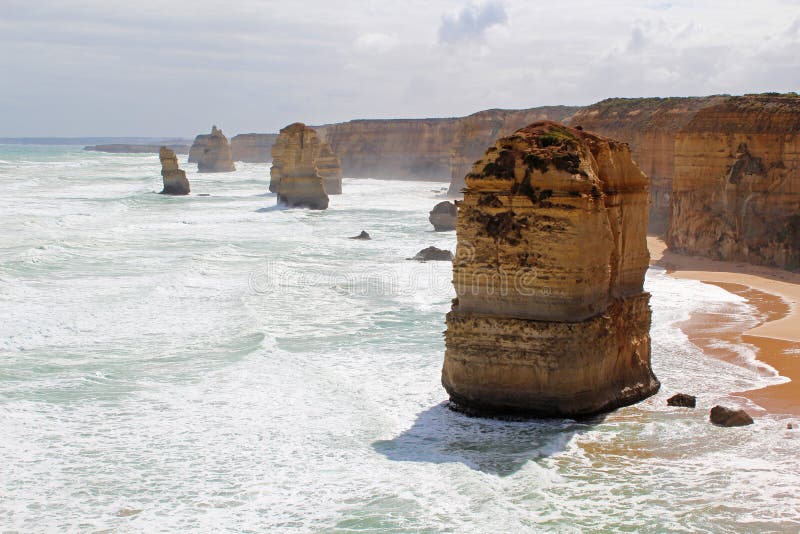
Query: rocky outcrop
point(363, 236)
point(325, 161)
point(294, 174)
point(736, 190)
point(550, 317)
point(682, 400)
point(175, 182)
point(253, 147)
point(479, 130)
point(722, 416)
point(443, 216)
point(211, 152)
point(433, 254)
point(329, 167)
point(649, 126)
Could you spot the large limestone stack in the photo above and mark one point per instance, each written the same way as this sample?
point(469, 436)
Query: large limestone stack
point(649, 126)
point(736, 191)
point(211, 152)
point(550, 317)
point(175, 182)
point(253, 147)
point(329, 167)
point(324, 160)
point(294, 174)
point(479, 130)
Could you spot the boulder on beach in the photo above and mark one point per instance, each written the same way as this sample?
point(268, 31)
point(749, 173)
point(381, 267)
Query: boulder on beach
point(722, 416)
point(433, 254)
point(443, 216)
point(683, 400)
point(175, 182)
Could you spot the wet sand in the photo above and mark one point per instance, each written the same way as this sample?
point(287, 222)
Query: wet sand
point(776, 337)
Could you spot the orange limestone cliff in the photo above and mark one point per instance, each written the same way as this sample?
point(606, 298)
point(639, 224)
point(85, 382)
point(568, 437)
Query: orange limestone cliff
point(253, 147)
point(479, 130)
point(550, 318)
point(295, 175)
point(326, 163)
point(211, 152)
point(175, 182)
point(649, 126)
point(736, 190)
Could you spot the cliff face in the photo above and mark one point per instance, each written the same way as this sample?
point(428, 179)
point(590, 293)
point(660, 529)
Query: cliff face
point(550, 317)
point(211, 152)
point(479, 130)
point(175, 182)
point(736, 190)
point(649, 126)
point(253, 147)
point(294, 174)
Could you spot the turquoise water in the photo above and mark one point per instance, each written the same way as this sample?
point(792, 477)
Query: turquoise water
point(211, 363)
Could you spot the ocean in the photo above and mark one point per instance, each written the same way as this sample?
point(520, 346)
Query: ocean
point(213, 363)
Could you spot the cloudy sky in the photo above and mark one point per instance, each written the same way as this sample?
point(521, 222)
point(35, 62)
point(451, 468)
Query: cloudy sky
point(174, 67)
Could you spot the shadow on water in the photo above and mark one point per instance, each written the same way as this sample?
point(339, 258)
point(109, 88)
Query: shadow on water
point(441, 435)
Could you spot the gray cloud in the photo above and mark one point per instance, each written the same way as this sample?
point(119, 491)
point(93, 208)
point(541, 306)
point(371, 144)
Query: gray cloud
point(472, 21)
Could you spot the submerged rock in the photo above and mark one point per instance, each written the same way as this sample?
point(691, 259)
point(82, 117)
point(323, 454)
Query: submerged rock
point(363, 236)
point(443, 216)
point(211, 152)
point(175, 182)
point(722, 416)
point(683, 400)
point(550, 319)
point(433, 254)
point(294, 174)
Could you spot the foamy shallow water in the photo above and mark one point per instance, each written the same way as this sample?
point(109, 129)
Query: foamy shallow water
point(213, 363)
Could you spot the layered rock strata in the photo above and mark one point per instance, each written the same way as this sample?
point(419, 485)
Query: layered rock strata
point(323, 159)
point(253, 147)
point(479, 130)
point(649, 126)
point(294, 174)
point(211, 152)
point(736, 189)
point(550, 318)
point(175, 182)
point(443, 216)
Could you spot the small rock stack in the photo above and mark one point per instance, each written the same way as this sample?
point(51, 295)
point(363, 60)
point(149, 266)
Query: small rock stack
point(175, 182)
point(211, 152)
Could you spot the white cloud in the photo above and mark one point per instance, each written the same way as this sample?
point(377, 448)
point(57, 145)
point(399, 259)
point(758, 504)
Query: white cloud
point(472, 21)
point(375, 43)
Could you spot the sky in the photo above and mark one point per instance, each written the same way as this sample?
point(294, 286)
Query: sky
point(174, 67)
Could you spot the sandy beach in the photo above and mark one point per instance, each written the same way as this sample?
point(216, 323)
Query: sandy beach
point(775, 294)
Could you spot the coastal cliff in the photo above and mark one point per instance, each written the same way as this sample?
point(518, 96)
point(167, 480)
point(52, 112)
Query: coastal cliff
point(479, 130)
point(211, 152)
point(550, 318)
point(736, 189)
point(253, 147)
point(175, 182)
point(294, 174)
point(649, 126)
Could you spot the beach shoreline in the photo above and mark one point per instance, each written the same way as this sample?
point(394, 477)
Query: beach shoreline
point(776, 338)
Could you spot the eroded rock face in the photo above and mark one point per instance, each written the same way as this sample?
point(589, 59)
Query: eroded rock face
point(253, 147)
point(736, 190)
point(175, 182)
point(443, 216)
point(649, 126)
point(211, 152)
point(550, 318)
point(294, 173)
point(479, 130)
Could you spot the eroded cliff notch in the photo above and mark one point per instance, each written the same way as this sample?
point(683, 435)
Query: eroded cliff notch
point(550, 318)
point(212, 152)
point(304, 169)
point(175, 182)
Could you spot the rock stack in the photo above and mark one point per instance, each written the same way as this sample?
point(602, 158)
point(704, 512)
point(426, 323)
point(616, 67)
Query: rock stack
point(175, 182)
point(329, 167)
point(736, 189)
point(443, 216)
point(550, 318)
point(294, 174)
point(211, 152)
